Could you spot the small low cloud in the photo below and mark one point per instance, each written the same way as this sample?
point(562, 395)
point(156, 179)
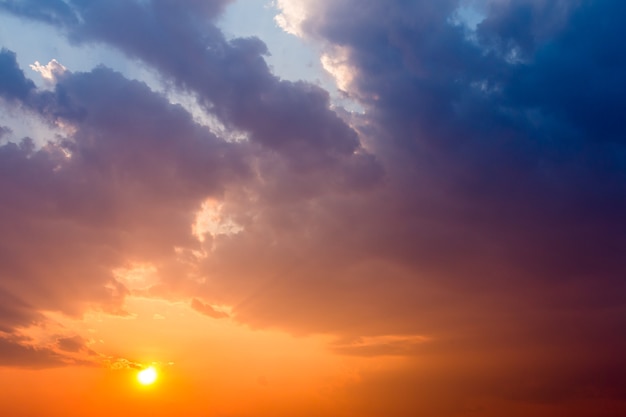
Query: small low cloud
point(207, 309)
point(49, 72)
point(292, 14)
point(72, 344)
point(380, 346)
point(120, 363)
point(16, 352)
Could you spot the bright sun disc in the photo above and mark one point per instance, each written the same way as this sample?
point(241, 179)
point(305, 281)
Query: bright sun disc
point(147, 376)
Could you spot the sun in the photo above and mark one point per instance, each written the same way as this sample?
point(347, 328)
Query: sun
point(147, 376)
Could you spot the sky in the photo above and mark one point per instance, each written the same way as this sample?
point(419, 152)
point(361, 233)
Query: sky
point(343, 208)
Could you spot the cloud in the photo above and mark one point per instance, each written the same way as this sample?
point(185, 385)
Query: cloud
point(49, 72)
point(73, 344)
point(14, 312)
point(292, 15)
point(380, 346)
point(53, 12)
point(21, 352)
point(15, 354)
point(13, 83)
point(207, 309)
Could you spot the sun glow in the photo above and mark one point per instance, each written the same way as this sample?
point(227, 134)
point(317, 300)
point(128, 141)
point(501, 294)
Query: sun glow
point(147, 376)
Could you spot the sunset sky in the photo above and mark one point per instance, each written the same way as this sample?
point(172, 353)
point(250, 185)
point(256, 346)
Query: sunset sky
point(313, 208)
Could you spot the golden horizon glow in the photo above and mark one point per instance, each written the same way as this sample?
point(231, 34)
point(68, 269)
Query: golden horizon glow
point(147, 376)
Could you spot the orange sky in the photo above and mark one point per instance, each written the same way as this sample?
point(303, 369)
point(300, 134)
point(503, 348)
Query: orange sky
point(216, 367)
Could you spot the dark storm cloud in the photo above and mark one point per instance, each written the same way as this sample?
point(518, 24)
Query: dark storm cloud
point(507, 150)
point(517, 146)
point(524, 25)
point(575, 77)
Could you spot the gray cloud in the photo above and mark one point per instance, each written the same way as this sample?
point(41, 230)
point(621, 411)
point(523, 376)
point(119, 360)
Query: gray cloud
point(13, 83)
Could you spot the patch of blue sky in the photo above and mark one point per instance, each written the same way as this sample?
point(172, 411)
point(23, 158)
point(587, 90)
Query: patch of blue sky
point(291, 58)
point(469, 15)
point(33, 41)
point(37, 42)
